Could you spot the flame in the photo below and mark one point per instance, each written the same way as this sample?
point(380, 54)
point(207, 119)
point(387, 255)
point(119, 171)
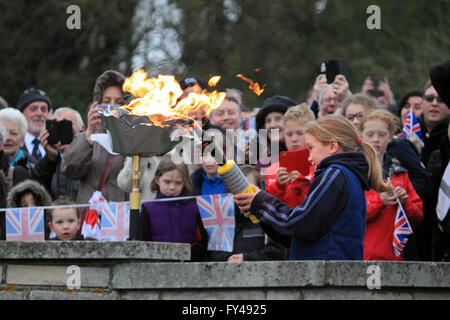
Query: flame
point(159, 98)
point(213, 81)
point(254, 86)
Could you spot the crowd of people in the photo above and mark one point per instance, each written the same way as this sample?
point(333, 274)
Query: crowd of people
point(360, 170)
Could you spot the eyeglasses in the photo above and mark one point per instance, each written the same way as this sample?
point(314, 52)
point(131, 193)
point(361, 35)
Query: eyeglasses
point(328, 100)
point(358, 116)
point(431, 97)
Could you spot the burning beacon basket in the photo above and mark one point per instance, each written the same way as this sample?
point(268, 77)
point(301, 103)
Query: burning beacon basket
point(136, 136)
point(133, 135)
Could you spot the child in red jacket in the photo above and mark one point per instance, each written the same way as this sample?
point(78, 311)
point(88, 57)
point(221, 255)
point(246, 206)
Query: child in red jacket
point(291, 187)
point(377, 128)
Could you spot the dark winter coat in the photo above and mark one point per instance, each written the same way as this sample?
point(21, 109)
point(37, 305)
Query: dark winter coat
point(405, 152)
point(330, 222)
point(49, 174)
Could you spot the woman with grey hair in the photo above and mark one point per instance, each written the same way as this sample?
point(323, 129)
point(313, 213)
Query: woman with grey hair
point(15, 161)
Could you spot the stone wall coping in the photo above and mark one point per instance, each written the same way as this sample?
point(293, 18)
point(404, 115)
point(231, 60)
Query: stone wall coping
point(279, 274)
point(97, 250)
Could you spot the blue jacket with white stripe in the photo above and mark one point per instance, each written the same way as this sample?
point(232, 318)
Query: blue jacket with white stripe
point(330, 223)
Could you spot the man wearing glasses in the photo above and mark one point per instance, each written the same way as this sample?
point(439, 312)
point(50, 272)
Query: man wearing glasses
point(332, 95)
point(35, 106)
point(433, 122)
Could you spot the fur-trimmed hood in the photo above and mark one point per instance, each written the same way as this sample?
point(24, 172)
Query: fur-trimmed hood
point(41, 195)
point(107, 79)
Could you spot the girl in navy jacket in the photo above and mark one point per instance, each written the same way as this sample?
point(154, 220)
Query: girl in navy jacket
point(330, 223)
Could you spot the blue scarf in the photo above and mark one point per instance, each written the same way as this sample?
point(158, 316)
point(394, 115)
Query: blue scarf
point(17, 158)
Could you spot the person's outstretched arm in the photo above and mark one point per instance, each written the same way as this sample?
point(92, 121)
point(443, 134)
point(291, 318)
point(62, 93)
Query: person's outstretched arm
point(310, 220)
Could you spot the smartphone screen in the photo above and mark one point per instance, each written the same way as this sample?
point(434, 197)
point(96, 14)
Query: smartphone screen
point(51, 126)
point(295, 160)
point(59, 131)
point(65, 131)
point(335, 67)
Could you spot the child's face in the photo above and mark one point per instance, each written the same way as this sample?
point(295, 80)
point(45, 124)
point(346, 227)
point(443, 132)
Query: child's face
point(354, 113)
point(210, 165)
point(65, 223)
point(27, 200)
point(318, 150)
point(294, 136)
point(170, 183)
point(376, 132)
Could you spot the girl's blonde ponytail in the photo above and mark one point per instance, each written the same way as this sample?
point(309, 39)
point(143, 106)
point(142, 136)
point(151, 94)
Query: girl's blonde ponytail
point(375, 172)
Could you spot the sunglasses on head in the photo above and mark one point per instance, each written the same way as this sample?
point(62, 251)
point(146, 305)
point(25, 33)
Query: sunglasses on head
point(431, 97)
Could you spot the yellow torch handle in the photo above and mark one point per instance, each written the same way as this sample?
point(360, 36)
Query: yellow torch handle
point(236, 181)
point(251, 217)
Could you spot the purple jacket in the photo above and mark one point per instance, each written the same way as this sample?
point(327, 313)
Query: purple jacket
point(172, 221)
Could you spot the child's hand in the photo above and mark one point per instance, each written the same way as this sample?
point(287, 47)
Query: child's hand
point(236, 257)
point(282, 175)
point(244, 200)
point(402, 195)
point(293, 175)
point(388, 198)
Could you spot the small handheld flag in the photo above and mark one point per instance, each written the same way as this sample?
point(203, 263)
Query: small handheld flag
point(411, 127)
point(402, 230)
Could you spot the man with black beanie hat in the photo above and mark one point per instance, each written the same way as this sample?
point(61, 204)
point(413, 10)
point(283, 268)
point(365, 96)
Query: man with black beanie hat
point(35, 106)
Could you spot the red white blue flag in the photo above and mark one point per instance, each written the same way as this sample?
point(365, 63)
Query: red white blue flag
point(91, 224)
point(25, 224)
point(402, 230)
point(115, 221)
point(410, 127)
point(217, 212)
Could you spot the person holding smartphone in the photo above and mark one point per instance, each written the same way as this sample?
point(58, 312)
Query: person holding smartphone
point(378, 87)
point(48, 169)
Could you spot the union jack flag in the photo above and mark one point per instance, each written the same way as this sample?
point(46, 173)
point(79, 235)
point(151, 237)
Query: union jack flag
point(25, 224)
point(115, 221)
point(411, 126)
point(217, 212)
point(402, 230)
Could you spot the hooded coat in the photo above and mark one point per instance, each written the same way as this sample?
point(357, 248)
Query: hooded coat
point(40, 194)
point(86, 161)
point(330, 223)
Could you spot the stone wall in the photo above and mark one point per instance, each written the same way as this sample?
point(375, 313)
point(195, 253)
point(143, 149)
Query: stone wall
point(151, 270)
